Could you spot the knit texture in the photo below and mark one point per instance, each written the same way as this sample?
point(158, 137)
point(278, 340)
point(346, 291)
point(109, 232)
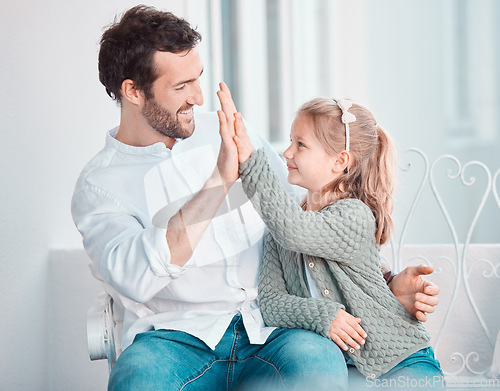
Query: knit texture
point(337, 245)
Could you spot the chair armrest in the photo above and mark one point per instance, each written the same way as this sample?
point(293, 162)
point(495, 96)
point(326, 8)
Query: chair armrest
point(100, 330)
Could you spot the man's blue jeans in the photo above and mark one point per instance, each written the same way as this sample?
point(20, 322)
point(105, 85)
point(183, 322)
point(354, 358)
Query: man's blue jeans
point(291, 359)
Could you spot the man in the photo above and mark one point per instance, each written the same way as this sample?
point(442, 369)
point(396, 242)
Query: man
point(174, 241)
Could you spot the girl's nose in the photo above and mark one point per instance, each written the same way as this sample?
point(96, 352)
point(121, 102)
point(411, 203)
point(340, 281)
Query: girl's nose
point(287, 153)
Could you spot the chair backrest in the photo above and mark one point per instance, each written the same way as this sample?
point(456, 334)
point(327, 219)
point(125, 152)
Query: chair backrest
point(437, 224)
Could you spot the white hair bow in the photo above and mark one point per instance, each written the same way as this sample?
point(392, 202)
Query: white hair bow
point(345, 105)
point(346, 118)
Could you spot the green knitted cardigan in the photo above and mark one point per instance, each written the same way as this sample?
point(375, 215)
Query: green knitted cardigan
point(338, 246)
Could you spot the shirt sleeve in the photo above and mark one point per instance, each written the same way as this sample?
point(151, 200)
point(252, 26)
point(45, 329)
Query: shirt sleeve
point(338, 232)
point(281, 309)
point(131, 258)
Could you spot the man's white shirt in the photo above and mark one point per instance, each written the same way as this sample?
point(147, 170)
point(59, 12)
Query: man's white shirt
point(122, 203)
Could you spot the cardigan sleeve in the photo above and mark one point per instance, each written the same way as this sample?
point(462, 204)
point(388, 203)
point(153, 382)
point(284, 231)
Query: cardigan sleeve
point(281, 309)
point(338, 232)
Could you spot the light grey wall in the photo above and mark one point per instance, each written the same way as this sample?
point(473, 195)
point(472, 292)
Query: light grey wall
point(413, 79)
point(53, 117)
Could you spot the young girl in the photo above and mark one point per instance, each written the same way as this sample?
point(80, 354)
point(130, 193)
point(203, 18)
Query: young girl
point(321, 269)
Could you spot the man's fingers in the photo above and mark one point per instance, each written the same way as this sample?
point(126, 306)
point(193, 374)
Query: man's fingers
point(426, 299)
point(424, 269)
point(431, 289)
point(222, 123)
point(424, 307)
point(228, 99)
point(421, 316)
point(224, 88)
point(225, 135)
point(226, 104)
point(228, 109)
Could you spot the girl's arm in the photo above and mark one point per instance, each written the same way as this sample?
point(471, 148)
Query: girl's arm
point(281, 309)
point(337, 232)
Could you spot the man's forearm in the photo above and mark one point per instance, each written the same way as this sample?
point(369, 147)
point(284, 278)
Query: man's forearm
point(187, 226)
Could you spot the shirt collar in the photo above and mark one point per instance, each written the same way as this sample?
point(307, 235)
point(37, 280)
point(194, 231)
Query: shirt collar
point(156, 148)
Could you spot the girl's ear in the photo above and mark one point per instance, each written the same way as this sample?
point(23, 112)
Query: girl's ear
point(341, 161)
point(132, 94)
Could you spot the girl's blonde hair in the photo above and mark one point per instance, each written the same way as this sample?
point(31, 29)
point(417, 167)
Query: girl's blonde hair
point(370, 174)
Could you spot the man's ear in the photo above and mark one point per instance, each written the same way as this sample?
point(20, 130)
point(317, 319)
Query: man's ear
point(342, 161)
point(132, 94)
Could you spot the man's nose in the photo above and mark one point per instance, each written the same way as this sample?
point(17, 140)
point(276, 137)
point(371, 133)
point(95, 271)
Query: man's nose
point(196, 95)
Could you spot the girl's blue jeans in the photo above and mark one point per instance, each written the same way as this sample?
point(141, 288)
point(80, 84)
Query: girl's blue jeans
point(291, 359)
point(420, 371)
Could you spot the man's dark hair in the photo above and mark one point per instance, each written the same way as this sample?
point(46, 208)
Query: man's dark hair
point(128, 46)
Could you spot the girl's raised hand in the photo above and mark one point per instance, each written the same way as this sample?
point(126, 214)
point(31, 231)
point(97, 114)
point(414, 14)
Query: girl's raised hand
point(243, 142)
point(345, 330)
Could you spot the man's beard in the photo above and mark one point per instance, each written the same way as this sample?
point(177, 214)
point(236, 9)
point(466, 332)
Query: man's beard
point(164, 121)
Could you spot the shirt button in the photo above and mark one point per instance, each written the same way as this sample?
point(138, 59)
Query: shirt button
point(373, 376)
point(311, 265)
point(351, 350)
point(326, 292)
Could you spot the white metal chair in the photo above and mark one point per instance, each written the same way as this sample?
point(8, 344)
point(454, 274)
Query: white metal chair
point(101, 330)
